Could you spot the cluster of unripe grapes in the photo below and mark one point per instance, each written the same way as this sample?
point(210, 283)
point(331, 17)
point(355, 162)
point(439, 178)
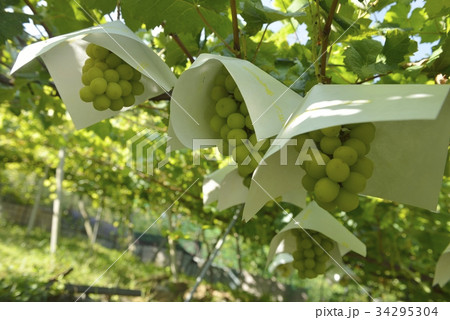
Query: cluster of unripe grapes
point(109, 82)
point(346, 170)
point(232, 122)
point(312, 253)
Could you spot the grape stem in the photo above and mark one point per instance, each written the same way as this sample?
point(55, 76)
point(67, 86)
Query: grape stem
point(324, 41)
point(373, 77)
point(118, 10)
point(236, 44)
point(43, 24)
point(183, 48)
point(260, 42)
point(214, 31)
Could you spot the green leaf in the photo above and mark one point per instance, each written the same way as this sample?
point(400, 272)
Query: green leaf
point(11, 24)
point(437, 8)
point(105, 6)
point(397, 46)
point(361, 57)
point(256, 15)
point(177, 16)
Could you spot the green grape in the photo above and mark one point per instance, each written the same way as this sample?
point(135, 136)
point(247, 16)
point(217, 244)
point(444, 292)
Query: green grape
point(85, 79)
point(98, 86)
point(320, 268)
point(310, 274)
point(237, 94)
point(337, 170)
point(252, 139)
point(358, 145)
point(101, 102)
point(243, 109)
point(346, 154)
point(323, 258)
point(126, 87)
point(111, 75)
point(101, 65)
point(236, 121)
point(316, 135)
point(306, 243)
point(309, 253)
point(225, 107)
point(318, 251)
point(326, 190)
point(327, 244)
point(238, 135)
point(297, 255)
point(225, 148)
point(116, 105)
point(113, 61)
point(363, 166)
point(347, 201)
point(86, 94)
point(136, 75)
point(137, 88)
point(224, 130)
point(216, 123)
point(248, 122)
point(218, 93)
point(89, 63)
point(100, 53)
point(308, 182)
point(90, 50)
point(128, 100)
point(329, 144)
point(364, 132)
point(351, 125)
point(240, 153)
point(230, 85)
point(125, 71)
point(220, 80)
point(355, 183)
point(113, 91)
point(94, 73)
point(328, 206)
point(247, 181)
point(301, 141)
point(266, 145)
point(331, 131)
point(309, 263)
point(315, 169)
point(299, 265)
point(247, 169)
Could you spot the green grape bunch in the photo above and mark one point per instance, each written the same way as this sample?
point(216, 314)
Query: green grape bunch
point(312, 253)
point(232, 122)
point(109, 82)
point(344, 175)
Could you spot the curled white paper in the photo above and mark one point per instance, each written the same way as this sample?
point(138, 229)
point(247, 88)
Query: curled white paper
point(269, 102)
point(442, 272)
point(313, 217)
point(410, 146)
point(64, 57)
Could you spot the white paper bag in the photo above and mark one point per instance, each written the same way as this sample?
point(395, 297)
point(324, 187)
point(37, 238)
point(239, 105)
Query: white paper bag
point(64, 57)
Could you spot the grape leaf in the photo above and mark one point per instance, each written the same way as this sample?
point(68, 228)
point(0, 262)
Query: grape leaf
point(176, 15)
point(11, 24)
point(437, 8)
point(361, 57)
point(105, 6)
point(256, 15)
point(397, 46)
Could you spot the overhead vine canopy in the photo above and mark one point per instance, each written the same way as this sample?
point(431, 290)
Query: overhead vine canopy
point(222, 63)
